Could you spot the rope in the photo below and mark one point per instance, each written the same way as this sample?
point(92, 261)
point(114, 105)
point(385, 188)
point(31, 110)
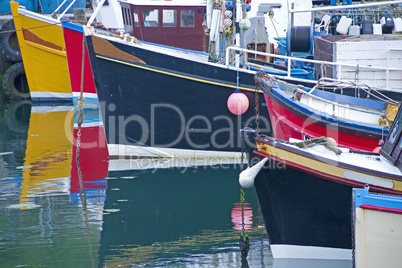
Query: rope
point(11, 31)
point(80, 118)
point(319, 141)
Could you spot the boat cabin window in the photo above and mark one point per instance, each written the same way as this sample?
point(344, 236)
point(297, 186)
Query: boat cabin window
point(106, 3)
point(151, 17)
point(135, 17)
point(187, 18)
point(393, 145)
point(169, 17)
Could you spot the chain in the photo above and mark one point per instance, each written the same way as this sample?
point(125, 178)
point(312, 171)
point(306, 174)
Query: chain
point(257, 110)
point(244, 238)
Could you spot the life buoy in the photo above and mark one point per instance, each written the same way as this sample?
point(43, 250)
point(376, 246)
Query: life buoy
point(15, 84)
point(9, 47)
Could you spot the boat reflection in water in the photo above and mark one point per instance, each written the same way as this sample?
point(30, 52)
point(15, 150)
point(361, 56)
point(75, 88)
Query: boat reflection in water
point(174, 216)
point(50, 165)
point(48, 153)
point(58, 206)
point(93, 155)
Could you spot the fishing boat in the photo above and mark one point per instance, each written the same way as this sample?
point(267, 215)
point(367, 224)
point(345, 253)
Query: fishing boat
point(377, 235)
point(161, 97)
point(305, 188)
point(43, 53)
point(300, 112)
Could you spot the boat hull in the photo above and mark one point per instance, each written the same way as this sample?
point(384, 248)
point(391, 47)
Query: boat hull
point(80, 81)
point(170, 102)
point(305, 216)
point(306, 200)
point(43, 53)
point(290, 119)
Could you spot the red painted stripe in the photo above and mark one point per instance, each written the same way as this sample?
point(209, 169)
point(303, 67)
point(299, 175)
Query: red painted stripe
point(323, 175)
point(385, 209)
point(287, 125)
point(73, 42)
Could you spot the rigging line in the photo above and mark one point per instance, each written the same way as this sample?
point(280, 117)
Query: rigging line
point(280, 43)
point(365, 88)
point(12, 31)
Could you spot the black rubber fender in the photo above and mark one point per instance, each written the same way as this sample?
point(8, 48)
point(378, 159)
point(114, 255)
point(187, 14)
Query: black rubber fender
point(18, 115)
point(15, 84)
point(9, 47)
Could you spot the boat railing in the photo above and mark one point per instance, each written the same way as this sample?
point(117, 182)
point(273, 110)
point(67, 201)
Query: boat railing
point(345, 7)
point(235, 50)
point(334, 104)
point(65, 10)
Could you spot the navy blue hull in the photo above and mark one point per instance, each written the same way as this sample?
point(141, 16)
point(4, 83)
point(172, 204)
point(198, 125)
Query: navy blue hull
point(171, 102)
point(303, 209)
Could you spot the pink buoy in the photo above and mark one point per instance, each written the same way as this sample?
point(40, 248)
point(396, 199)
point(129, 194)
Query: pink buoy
point(238, 103)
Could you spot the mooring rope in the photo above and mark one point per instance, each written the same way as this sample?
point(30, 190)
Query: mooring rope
point(36, 27)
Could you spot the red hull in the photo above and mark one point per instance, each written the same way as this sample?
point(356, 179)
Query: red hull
point(286, 124)
point(73, 41)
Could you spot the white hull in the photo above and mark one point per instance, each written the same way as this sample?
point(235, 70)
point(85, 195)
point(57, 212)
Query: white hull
point(310, 252)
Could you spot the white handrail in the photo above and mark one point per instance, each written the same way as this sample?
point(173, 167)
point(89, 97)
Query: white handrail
point(387, 3)
point(96, 11)
point(57, 9)
point(289, 58)
point(65, 10)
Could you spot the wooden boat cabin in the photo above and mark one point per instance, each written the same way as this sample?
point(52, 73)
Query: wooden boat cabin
point(176, 23)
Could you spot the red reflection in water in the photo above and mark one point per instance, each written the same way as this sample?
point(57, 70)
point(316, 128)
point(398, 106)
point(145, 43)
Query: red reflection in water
point(94, 159)
point(236, 216)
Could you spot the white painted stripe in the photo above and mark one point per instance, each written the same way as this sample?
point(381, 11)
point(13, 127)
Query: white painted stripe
point(49, 109)
point(48, 94)
point(310, 252)
point(160, 163)
point(91, 124)
point(350, 175)
point(213, 157)
point(38, 16)
point(86, 95)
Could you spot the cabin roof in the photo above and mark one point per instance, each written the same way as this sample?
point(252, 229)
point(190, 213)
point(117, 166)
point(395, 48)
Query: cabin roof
point(202, 3)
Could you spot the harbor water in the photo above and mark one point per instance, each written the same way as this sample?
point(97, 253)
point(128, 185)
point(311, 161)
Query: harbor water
point(117, 213)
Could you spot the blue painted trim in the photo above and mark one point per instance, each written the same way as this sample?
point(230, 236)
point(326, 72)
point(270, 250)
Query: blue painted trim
point(175, 48)
point(72, 26)
point(53, 101)
point(94, 101)
point(380, 105)
point(363, 197)
point(324, 116)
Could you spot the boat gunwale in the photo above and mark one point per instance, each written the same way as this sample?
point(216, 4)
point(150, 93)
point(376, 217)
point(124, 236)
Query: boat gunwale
point(280, 144)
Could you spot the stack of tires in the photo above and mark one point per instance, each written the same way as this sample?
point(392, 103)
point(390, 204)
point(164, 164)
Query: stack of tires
point(14, 83)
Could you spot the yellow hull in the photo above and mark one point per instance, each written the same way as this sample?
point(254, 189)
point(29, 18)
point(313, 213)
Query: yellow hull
point(43, 53)
point(48, 154)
